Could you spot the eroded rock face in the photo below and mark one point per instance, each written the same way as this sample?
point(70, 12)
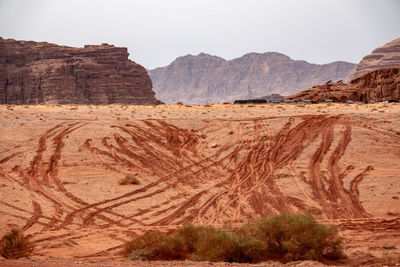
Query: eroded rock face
point(387, 56)
point(32, 73)
point(209, 79)
point(378, 85)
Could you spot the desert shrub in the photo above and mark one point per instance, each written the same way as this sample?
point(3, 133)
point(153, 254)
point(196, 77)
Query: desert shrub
point(144, 247)
point(190, 236)
point(129, 179)
point(14, 245)
point(230, 247)
point(155, 246)
point(283, 237)
point(388, 247)
point(172, 248)
point(212, 245)
point(299, 237)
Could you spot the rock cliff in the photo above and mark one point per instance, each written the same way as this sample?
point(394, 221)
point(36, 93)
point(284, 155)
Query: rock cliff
point(33, 72)
point(387, 56)
point(209, 79)
point(378, 85)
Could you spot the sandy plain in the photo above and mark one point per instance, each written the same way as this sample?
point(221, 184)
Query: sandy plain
point(60, 166)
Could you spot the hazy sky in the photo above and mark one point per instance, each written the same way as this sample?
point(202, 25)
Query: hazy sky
point(158, 31)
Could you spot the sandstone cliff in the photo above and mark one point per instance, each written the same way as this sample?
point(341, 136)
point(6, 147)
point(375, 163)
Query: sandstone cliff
point(378, 85)
point(32, 73)
point(209, 79)
point(387, 56)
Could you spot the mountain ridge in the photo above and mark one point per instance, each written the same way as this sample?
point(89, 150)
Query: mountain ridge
point(204, 78)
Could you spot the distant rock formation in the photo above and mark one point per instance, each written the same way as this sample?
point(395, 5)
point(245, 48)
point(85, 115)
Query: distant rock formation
point(387, 56)
point(260, 100)
point(378, 85)
point(209, 79)
point(272, 97)
point(33, 72)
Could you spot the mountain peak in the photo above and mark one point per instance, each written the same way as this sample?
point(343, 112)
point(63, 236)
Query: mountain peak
point(386, 56)
point(205, 78)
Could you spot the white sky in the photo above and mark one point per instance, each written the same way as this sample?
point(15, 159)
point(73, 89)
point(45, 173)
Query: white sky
point(158, 31)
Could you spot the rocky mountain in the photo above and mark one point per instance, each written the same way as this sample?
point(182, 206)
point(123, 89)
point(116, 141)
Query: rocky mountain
point(209, 79)
point(387, 56)
point(378, 85)
point(39, 72)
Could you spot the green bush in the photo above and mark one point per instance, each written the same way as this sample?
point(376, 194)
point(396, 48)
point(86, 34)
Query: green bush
point(14, 245)
point(171, 248)
point(190, 236)
point(299, 237)
point(283, 237)
point(144, 247)
point(212, 245)
point(155, 246)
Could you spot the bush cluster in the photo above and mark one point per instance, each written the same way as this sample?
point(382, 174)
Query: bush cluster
point(284, 237)
point(14, 245)
point(129, 179)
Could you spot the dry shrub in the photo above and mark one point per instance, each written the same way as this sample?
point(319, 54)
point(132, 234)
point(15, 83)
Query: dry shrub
point(299, 237)
point(388, 247)
point(143, 247)
point(189, 236)
point(219, 245)
point(14, 245)
point(283, 237)
point(129, 179)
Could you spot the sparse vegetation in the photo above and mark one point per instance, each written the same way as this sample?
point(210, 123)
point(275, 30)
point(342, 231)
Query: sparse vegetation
point(129, 179)
point(388, 247)
point(299, 237)
point(284, 237)
point(15, 245)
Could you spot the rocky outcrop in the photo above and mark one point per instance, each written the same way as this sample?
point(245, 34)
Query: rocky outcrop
point(378, 85)
point(209, 79)
point(32, 73)
point(272, 97)
point(387, 56)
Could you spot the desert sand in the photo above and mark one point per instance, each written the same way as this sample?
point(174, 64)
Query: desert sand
point(60, 166)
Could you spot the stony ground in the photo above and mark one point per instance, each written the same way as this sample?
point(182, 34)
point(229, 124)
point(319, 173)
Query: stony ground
point(61, 167)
